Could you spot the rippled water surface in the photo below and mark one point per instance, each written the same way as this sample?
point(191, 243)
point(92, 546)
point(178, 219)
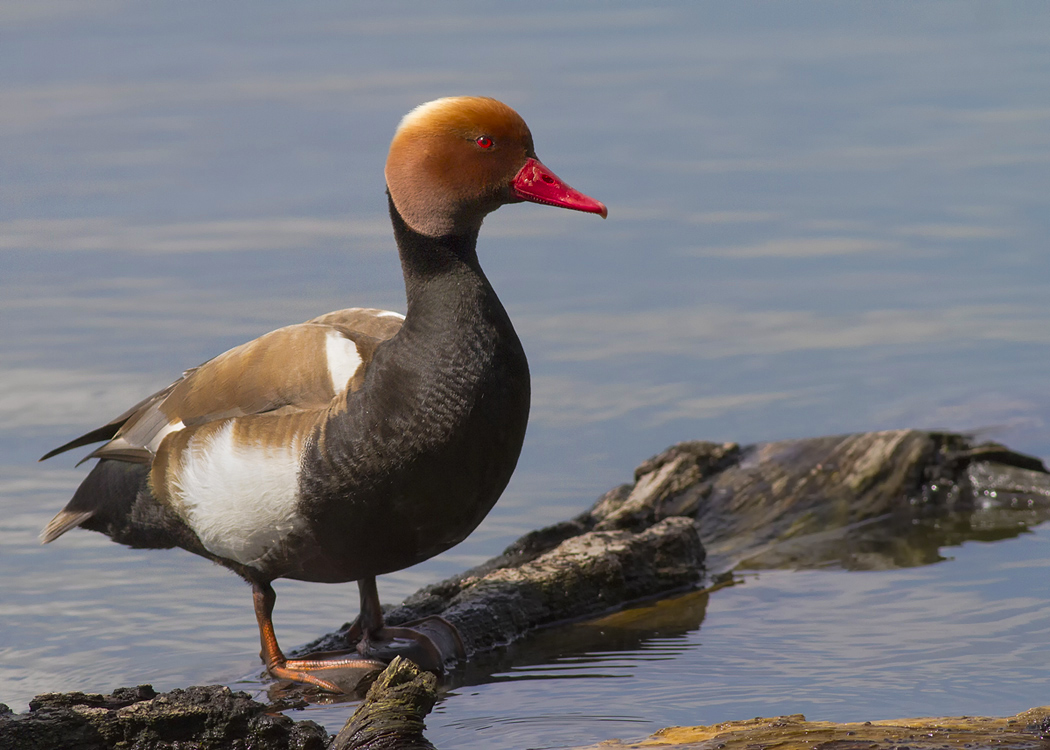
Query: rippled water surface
point(823, 218)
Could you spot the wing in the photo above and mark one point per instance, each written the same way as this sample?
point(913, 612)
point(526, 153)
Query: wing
point(378, 324)
point(296, 368)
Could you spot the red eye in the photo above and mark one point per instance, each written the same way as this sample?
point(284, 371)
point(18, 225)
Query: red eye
point(483, 141)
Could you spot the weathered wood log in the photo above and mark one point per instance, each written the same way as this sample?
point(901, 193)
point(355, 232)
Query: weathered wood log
point(1029, 730)
point(857, 500)
point(391, 716)
point(584, 575)
point(863, 501)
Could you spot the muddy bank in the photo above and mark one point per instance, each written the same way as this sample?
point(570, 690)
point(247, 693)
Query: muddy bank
point(693, 514)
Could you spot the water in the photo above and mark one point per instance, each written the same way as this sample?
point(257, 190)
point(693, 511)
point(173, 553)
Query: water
point(965, 637)
point(823, 218)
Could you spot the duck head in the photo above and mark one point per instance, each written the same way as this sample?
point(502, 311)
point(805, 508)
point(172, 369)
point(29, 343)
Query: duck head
point(454, 160)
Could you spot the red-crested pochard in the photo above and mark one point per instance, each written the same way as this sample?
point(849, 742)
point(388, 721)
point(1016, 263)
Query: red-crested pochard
point(360, 442)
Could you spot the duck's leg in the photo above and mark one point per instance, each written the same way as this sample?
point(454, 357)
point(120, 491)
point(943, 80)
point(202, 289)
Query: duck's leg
point(306, 670)
point(430, 643)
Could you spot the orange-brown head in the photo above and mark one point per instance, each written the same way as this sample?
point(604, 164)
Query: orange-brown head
point(454, 160)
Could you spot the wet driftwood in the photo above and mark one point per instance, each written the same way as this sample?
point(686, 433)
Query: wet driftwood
point(865, 501)
point(551, 578)
point(1026, 731)
point(871, 500)
point(391, 716)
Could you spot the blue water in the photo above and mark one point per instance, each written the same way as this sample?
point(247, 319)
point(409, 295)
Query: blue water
point(823, 218)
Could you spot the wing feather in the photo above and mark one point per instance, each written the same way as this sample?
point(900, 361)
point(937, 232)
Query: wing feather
point(288, 369)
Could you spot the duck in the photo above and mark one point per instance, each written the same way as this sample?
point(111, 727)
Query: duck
point(360, 442)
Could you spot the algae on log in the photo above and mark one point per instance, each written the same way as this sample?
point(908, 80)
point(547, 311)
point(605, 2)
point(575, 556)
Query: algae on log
point(1029, 730)
point(391, 716)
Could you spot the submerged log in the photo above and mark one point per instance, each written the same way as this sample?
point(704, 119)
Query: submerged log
point(864, 501)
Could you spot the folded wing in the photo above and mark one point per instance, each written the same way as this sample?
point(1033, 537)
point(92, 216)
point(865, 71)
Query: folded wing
point(299, 367)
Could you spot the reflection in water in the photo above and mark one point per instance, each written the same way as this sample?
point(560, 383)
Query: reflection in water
point(622, 640)
point(900, 541)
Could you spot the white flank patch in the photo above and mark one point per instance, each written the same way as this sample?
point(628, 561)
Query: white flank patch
point(163, 433)
point(343, 360)
point(240, 499)
point(389, 314)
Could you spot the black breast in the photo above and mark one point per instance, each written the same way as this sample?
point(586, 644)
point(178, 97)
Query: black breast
point(420, 454)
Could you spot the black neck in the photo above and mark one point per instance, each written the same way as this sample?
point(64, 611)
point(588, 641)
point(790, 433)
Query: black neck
point(426, 445)
point(437, 266)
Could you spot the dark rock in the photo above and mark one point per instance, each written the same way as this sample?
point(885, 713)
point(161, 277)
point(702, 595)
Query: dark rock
point(201, 718)
point(119, 698)
point(215, 718)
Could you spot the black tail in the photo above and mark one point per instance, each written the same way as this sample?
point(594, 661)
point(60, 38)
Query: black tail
point(106, 432)
point(115, 500)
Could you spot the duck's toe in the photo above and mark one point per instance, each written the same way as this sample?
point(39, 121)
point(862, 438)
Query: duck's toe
point(433, 643)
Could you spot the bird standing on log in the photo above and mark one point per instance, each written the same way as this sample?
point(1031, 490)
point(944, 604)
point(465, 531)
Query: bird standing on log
point(360, 442)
